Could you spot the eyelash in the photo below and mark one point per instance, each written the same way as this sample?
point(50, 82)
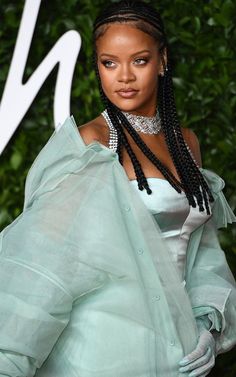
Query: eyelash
point(104, 62)
point(145, 60)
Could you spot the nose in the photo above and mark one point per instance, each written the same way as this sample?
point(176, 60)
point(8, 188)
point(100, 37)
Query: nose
point(126, 74)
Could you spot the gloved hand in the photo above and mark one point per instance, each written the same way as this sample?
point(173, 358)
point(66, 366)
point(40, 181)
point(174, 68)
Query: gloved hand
point(200, 361)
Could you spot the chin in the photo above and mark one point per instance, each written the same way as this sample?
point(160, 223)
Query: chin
point(127, 105)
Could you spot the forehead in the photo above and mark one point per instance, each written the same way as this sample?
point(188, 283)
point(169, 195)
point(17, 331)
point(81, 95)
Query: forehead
point(124, 36)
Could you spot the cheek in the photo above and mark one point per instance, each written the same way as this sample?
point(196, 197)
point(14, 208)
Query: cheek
point(149, 77)
point(107, 78)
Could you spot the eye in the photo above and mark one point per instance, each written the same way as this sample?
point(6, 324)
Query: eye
point(141, 61)
point(107, 63)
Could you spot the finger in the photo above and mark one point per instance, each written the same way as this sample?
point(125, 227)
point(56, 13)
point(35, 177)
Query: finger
point(199, 351)
point(204, 370)
point(197, 363)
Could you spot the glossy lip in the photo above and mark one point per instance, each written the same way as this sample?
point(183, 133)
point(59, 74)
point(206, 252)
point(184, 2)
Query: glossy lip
point(128, 93)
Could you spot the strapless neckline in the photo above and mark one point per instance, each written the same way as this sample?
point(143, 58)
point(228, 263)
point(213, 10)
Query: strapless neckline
point(159, 179)
point(154, 182)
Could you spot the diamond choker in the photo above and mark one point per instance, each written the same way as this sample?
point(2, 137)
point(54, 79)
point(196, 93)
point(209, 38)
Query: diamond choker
point(147, 125)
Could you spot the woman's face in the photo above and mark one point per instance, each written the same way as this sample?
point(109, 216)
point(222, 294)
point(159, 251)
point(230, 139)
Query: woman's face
point(128, 59)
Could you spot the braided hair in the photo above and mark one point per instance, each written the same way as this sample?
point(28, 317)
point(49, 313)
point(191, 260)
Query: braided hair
point(147, 19)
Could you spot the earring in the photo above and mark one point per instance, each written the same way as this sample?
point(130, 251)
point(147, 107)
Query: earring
point(163, 73)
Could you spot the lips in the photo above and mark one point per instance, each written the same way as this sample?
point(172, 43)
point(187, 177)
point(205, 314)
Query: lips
point(127, 93)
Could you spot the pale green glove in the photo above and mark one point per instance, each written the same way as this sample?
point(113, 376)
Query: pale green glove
point(200, 361)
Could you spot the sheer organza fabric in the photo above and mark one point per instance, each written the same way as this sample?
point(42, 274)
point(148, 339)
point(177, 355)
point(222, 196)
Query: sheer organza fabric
point(87, 284)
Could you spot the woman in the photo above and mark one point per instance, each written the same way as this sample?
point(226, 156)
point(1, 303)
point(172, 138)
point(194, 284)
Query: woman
point(99, 274)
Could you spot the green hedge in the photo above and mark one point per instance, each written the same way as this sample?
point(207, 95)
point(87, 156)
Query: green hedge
point(202, 36)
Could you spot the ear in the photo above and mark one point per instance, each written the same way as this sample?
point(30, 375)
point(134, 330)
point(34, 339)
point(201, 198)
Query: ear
point(163, 62)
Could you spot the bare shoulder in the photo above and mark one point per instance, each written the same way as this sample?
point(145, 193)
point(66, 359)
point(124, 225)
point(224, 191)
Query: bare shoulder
point(94, 130)
point(192, 141)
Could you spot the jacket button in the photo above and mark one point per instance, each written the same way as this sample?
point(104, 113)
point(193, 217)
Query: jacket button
point(140, 251)
point(127, 208)
point(172, 342)
point(157, 297)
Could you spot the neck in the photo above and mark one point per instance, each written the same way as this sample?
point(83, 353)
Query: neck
point(144, 124)
point(151, 114)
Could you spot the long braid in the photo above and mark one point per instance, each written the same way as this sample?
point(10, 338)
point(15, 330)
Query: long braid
point(142, 180)
point(114, 114)
point(170, 134)
point(117, 118)
point(189, 173)
point(149, 153)
point(146, 18)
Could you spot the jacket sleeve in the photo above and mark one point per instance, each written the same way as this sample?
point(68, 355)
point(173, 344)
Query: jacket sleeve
point(36, 261)
point(211, 284)
point(35, 304)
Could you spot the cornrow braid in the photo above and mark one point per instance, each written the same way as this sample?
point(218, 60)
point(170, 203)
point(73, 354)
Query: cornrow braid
point(147, 19)
point(133, 9)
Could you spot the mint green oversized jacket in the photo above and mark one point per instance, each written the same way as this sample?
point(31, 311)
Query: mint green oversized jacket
point(87, 284)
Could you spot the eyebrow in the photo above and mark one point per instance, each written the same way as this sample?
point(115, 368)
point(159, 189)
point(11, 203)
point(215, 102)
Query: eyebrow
point(114, 56)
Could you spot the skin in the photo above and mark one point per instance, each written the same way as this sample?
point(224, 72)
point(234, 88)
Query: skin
point(128, 68)
point(121, 64)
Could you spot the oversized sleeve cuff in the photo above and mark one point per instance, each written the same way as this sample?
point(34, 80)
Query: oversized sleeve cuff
point(210, 284)
point(222, 213)
point(216, 310)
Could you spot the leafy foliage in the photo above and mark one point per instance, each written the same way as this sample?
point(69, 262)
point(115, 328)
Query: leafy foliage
point(202, 37)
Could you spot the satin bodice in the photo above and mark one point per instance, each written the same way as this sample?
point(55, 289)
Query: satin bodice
point(172, 213)
point(171, 210)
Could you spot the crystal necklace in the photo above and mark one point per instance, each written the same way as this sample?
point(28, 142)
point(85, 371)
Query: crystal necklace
point(147, 125)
